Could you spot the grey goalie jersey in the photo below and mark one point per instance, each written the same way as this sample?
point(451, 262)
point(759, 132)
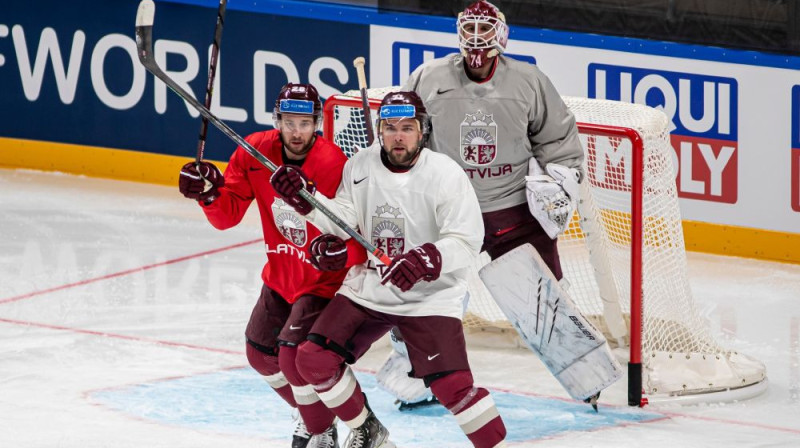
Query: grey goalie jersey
point(493, 128)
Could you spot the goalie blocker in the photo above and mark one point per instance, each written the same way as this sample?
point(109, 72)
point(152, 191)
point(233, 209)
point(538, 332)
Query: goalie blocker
point(550, 324)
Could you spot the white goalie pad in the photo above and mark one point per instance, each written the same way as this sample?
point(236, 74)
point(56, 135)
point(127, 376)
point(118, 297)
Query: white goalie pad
point(393, 378)
point(550, 323)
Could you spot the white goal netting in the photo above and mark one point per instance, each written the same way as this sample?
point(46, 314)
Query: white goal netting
point(679, 355)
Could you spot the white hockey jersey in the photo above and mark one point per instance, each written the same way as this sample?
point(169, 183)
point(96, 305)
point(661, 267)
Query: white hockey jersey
point(433, 202)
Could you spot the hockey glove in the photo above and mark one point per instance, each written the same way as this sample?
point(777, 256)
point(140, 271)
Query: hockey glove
point(201, 181)
point(552, 197)
point(420, 263)
point(328, 252)
point(287, 182)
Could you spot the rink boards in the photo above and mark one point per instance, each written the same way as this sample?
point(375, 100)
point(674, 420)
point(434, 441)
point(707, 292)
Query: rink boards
point(75, 98)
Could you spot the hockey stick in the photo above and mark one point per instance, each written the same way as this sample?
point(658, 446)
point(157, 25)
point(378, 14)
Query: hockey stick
point(144, 45)
point(212, 71)
point(358, 63)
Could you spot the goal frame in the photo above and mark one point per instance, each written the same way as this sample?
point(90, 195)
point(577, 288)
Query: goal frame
point(639, 137)
point(635, 362)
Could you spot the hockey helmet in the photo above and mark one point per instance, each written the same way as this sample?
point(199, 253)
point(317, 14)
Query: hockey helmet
point(399, 105)
point(482, 33)
point(300, 99)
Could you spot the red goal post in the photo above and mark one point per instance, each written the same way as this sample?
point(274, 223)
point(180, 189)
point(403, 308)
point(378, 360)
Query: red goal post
point(623, 255)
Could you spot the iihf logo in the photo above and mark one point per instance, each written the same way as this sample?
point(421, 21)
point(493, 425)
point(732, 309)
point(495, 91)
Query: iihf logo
point(388, 230)
point(478, 139)
point(289, 222)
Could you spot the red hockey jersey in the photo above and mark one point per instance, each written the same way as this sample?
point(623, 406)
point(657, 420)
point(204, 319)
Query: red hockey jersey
point(287, 235)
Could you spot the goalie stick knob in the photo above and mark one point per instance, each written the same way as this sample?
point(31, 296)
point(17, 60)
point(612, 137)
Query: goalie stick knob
point(358, 63)
point(146, 13)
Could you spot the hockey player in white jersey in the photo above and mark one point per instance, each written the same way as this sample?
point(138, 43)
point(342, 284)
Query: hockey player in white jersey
point(420, 208)
point(505, 124)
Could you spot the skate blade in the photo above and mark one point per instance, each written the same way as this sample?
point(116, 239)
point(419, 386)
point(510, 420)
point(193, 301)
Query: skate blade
point(404, 407)
point(593, 401)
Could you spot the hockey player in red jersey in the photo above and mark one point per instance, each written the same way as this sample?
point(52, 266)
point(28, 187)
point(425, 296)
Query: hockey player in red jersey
point(296, 287)
point(421, 207)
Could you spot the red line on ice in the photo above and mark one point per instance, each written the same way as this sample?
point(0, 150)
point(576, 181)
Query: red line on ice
point(122, 336)
point(126, 272)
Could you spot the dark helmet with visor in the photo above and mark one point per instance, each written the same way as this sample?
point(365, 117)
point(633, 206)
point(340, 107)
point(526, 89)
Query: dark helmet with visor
point(299, 99)
point(398, 105)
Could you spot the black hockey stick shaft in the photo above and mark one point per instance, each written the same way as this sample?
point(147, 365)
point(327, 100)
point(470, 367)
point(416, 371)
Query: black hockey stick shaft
point(362, 85)
point(144, 45)
point(212, 72)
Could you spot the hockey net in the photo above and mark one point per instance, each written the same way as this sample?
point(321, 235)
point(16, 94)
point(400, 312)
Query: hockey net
point(680, 360)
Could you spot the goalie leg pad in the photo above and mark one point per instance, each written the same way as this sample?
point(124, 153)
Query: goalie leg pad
point(549, 322)
point(393, 378)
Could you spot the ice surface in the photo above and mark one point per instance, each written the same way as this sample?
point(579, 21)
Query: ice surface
point(122, 314)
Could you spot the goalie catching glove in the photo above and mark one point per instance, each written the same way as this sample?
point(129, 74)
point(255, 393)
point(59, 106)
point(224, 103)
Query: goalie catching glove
point(328, 252)
point(420, 263)
point(552, 197)
point(200, 181)
point(287, 182)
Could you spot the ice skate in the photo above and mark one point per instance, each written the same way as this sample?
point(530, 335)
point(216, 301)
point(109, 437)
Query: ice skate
point(371, 434)
point(301, 435)
point(593, 401)
point(328, 439)
point(303, 439)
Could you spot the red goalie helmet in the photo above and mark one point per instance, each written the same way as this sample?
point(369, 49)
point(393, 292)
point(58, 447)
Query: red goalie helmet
point(482, 33)
point(300, 99)
point(399, 105)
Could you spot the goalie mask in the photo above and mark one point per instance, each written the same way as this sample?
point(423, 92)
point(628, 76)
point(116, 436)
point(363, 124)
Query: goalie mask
point(298, 99)
point(399, 105)
point(482, 33)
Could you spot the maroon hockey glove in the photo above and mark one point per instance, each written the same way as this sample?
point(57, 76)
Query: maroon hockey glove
point(328, 252)
point(420, 263)
point(201, 181)
point(287, 182)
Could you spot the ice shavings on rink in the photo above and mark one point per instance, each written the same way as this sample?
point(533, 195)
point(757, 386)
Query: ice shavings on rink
point(239, 402)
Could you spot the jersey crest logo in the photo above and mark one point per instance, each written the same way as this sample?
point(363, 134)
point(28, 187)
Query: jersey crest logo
point(291, 224)
point(388, 230)
point(478, 139)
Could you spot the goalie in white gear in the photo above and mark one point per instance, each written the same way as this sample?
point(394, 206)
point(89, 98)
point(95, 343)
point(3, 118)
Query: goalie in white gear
point(505, 123)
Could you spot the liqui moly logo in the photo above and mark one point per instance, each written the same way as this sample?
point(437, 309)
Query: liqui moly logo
point(796, 148)
point(703, 113)
point(406, 57)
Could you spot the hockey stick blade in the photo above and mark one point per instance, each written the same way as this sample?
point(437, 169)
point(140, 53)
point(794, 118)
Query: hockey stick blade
point(145, 17)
